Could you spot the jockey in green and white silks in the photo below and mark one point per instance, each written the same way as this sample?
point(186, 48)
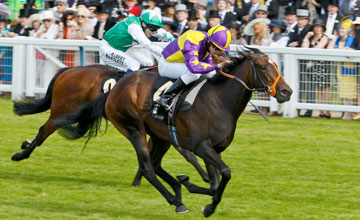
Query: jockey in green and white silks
point(115, 49)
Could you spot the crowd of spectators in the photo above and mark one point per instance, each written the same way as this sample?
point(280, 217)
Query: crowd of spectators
point(299, 23)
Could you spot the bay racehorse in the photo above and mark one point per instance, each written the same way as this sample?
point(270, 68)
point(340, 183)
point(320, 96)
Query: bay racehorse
point(207, 129)
point(68, 89)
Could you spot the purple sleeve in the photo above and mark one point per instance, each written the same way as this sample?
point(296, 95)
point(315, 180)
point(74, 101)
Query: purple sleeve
point(191, 55)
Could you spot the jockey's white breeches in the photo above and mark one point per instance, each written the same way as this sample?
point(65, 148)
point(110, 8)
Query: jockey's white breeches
point(176, 70)
point(131, 59)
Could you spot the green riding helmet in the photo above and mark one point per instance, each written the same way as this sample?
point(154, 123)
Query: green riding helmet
point(153, 18)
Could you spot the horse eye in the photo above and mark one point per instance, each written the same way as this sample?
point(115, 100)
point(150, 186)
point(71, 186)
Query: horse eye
point(263, 67)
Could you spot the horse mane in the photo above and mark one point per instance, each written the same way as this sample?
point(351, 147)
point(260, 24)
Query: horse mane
point(236, 58)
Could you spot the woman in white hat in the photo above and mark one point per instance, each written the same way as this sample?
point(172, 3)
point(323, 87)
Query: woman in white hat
point(257, 32)
point(48, 30)
point(34, 22)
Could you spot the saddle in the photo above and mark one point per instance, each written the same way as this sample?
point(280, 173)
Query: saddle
point(181, 102)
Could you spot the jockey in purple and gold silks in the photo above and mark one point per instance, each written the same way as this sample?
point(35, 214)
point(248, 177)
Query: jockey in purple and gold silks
point(188, 57)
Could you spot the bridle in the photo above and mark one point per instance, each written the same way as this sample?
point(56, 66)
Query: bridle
point(271, 90)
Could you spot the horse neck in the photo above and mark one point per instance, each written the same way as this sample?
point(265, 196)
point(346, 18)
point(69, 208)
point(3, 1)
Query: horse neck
point(234, 96)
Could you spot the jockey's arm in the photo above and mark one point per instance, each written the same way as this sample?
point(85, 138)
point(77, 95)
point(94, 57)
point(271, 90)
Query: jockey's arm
point(138, 34)
point(164, 36)
point(195, 66)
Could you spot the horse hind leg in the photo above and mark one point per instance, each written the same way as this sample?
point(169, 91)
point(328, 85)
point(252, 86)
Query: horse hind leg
point(28, 147)
point(135, 132)
point(158, 150)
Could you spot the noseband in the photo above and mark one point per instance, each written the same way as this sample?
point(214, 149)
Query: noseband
point(271, 90)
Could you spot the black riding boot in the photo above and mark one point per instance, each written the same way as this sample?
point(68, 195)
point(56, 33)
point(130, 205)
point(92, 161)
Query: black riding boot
point(171, 92)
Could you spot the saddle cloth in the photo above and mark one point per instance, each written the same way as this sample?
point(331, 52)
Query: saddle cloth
point(184, 100)
point(110, 80)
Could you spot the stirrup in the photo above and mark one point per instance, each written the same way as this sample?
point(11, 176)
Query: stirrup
point(163, 103)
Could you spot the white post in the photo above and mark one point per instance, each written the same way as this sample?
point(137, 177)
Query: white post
point(30, 71)
point(18, 76)
point(291, 76)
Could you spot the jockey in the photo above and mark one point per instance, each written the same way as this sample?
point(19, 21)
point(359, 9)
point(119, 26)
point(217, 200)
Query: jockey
point(117, 41)
point(187, 58)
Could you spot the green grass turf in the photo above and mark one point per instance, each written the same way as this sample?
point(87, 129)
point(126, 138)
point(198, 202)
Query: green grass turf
point(281, 169)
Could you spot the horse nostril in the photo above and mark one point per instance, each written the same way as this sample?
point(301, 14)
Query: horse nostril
point(286, 92)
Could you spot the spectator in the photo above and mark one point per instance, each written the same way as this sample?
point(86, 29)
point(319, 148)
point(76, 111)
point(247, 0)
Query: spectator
point(132, 8)
point(346, 71)
point(21, 29)
point(153, 6)
point(301, 29)
point(317, 76)
point(92, 20)
point(314, 8)
point(61, 7)
point(273, 9)
point(235, 32)
point(332, 18)
point(257, 32)
point(181, 18)
point(291, 19)
point(68, 26)
point(103, 24)
point(34, 22)
point(170, 25)
point(202, 4)
point(278, 36)
point(86, 30)
point(225, 14)
point(347, 7)
point(213, 19)
point(193, 23)
point(80, 4)
point(261, 12)
point(49, 29)
point(248, 11)
point(170, 10)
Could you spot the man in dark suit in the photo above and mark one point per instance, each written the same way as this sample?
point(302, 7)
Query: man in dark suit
point(104, 22)
point(226, 15)
point(332, 18)
point(296, 37)
point(193, 23)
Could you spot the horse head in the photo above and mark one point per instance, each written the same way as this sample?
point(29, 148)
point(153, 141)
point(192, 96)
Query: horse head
point(261, 74)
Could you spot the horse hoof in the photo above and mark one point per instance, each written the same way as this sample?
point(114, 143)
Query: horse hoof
point(183, 178)
point(136, 183)
point(207, 211)
point(182, 209)
point(25, 144)
point(17, 157)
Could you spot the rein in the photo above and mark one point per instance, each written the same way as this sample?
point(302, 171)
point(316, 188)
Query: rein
point(271, 90)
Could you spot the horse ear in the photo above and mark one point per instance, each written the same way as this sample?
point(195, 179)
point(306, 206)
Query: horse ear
point(243, 51)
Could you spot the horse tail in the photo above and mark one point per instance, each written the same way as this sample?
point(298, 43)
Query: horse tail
point(33, 106)
point(84, 121)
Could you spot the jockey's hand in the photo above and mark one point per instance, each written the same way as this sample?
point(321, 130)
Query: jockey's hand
point(222, 64)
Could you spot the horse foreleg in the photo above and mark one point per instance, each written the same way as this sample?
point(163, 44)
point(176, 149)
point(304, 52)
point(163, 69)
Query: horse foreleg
point(28, 147)
point(190, 157)
point(210, 156)
point(214, 182)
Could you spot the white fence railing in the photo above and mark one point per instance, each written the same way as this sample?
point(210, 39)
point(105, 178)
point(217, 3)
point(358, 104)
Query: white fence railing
point(35, 61)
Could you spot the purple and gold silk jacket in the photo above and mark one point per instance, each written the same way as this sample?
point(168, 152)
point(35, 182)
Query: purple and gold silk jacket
point(190, 49)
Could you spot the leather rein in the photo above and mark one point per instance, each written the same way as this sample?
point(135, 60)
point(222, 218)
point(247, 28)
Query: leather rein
point(271, 90)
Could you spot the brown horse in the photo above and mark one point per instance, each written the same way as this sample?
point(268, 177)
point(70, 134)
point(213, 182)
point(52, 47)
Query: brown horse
point(69, 88)
point(206, 129)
